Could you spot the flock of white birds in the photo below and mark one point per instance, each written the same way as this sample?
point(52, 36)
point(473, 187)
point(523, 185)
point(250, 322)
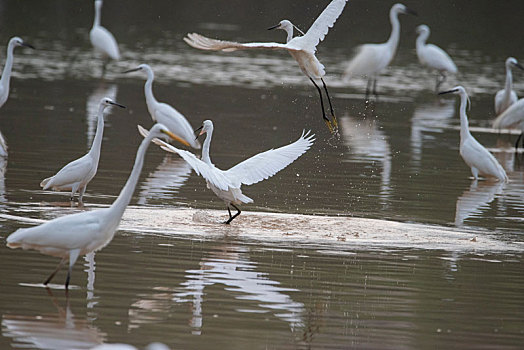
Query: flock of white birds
point(71, 236)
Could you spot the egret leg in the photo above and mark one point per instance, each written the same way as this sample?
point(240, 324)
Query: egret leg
point(441, 77)
point(475, 172)
point(375, 87)
point(335, 123)
point(234, 216)
point(81, 193)
point(368, 87)
point(326, 120)
point(73, 255)
point(518, 139)
point(55, 271)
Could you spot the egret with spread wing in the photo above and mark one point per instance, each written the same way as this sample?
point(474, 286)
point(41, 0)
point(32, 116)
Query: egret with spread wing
point(226, 184)
point(302, 48)
point(372, 59)
point(70, 236)
point(164, 113)
point(102, 39)
point(77, 174)
point(433, 56)
point(5, 80)
point(476, 156)
point(504, 98)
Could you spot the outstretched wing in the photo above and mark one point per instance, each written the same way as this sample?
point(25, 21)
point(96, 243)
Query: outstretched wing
point(204, 43)
point(320, 27)
point(267, 164)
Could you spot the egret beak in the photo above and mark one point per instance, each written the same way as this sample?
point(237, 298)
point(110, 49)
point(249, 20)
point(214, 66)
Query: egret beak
point(201, 131)
point(132, 70)
point(274, 27)
point(411, 12)
point(28, 45)
point(117, 104)
point(447, 92)
point(519, 66)
point(174, 137)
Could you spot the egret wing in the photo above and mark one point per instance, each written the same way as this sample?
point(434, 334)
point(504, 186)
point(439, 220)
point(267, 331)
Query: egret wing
point(512, 117)
point(476, 155)
point(103, 40)
point(267, 164)
point(204, 43)
point(437, 58)
point(318, 30)
point(76, 171)
point(176, 123)
point(368, 60)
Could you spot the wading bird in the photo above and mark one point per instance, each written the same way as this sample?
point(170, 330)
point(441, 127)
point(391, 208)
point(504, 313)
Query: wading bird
point(226, 184)
point(476, 156)
point(504, 98)
point(372, 59)
point(77, 174)
point(302, 48)
point(4, 82)
point(512, 118)
point(70, 236)
point(102, 39)
point(164, 113)
point(433, 56)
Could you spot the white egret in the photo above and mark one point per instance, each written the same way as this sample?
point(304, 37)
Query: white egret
point(102, 39)
point(372, 59)
point(433, 56)
point(476, 156)
point(70, 236)
point(302, 48)
point(77, 174)
point(164, 113)
point(226, 184)
point(504, 98)
point(5, 80)
point(512, 118)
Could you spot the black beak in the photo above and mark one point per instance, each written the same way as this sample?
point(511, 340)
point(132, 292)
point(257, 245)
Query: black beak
point(519, 66)
point(447, 92)
point(28, 45)
point(411, 12)
point(117, 104)
point(197, 130)
point(132, 70)
point(274, 27)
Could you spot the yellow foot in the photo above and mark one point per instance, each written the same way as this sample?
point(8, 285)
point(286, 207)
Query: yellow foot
point(328, 123)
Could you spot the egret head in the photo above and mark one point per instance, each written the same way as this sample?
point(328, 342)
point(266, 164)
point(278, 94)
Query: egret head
point(401, 8)
point(159, 130)
point(16, 41)
point(422, 29)
point(106, 101)
point(459, 90)
point(206, 126)
point(143, 66)
point(512, 61)
point(287, 26)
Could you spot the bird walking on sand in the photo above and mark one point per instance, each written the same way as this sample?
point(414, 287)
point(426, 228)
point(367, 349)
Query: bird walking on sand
point(77, 174)
point(70, 236)
point(164, 113)
point(433, 56)
point(102, 39)
point(373, 59)
point(504, 98)
point(226, 184)
point(476, 156)
point(302, 48)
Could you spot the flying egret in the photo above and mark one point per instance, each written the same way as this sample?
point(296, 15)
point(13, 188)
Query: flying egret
point(507, 96)
point(512, 118)
point(433, 56)
point(164, 113)
point(102, 39)
point(302, 48)
point(226, 184)
point(70, 236)
point(4, 82)
point(77, 174)
point(372, 59)
point(476, 156)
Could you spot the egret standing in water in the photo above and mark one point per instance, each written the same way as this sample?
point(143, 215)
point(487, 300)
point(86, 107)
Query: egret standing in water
point(302, 48)
point(164, 113)
point(512, 118)
point(70, 236)
point(433, 56)
point(77, 174)
point(372, 59)
point(226, 184)
point(476, 156)
point(5, 80)
point(102, 39)
point(507, 96)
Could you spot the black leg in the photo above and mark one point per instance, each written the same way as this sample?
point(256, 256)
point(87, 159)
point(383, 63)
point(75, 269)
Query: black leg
point(335, 123)
point(517, 143)
point(54, 272)
point(237, 214)
point(230, 216)
point(326, 120)
point(368, 87)
point(375, 86)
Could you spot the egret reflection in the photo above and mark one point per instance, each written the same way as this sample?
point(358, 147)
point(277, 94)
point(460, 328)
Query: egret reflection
point(473, 201)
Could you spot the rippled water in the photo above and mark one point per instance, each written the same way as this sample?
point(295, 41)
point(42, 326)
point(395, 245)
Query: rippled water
point(292, 281)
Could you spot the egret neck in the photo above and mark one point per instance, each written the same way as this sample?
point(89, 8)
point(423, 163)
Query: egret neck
point(148, 90)
point(6, 74)
point(421, 40)
point(509, 84)
point(97, 141)
point(464, 125)
point(205, 147)
point(96, 21)
point(395, 31)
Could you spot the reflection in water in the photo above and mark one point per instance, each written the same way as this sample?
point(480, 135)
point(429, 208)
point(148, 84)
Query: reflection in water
point(228, 266)
point(90, 269)
point(367, 142)
point(432, 117)
point(92, 104)
point(3, 168)
point(167, 178)
point(472, 201)
point(51, 331)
